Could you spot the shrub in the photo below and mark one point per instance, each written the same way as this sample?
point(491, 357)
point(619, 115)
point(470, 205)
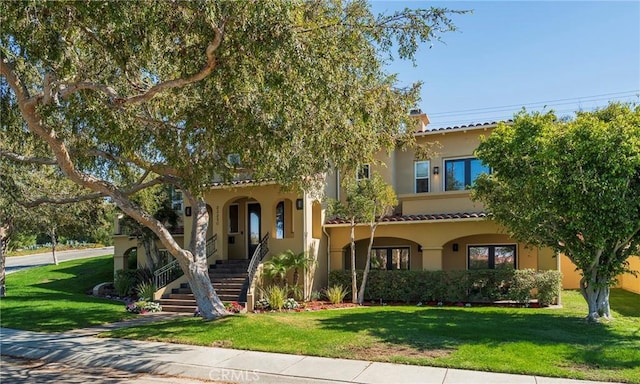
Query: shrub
point(146, 290)
point(125, 282)
point(290, 303)
point(521, 284)
point(276, 296)
point(336, 294)
point(263, 303)
point(234, 307)
point(548, 285)
point(143, 306)
point(456, 286)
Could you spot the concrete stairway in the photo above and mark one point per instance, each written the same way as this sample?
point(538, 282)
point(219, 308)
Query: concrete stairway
point(229, 279)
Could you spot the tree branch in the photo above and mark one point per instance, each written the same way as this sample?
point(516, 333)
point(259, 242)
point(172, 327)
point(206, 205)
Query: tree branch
point(76, 199)
point(28, 160)
point(68, 89)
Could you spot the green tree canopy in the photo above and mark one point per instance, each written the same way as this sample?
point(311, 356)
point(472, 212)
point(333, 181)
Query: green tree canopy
point(122, 96)
point(571, 185)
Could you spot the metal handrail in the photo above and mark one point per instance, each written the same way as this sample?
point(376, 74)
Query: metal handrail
point(261, 251)
point(171, 271)
point(211, 246)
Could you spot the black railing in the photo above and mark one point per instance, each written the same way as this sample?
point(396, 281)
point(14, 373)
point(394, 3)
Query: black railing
point(261, 251)
point(168, 273)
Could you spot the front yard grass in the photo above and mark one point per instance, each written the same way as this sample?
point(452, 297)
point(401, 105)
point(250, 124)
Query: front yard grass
point(54, 298)
point(545, 342)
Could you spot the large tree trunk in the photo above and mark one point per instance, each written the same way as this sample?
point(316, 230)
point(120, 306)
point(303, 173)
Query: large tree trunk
point(5, 228)
point(354, 276)
point(367, 266)
point(596, 292)
point(150, 250)
point(197, 270)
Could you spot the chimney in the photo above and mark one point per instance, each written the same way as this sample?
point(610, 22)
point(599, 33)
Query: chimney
point(423, 119)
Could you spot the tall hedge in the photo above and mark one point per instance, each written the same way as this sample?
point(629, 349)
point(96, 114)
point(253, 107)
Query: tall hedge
point(478, 286)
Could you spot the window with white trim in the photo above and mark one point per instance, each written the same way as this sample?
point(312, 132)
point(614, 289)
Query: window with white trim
point(421, 169)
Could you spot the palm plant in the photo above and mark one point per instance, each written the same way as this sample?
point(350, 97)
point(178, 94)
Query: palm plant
point(297, 261)
point(276, 269)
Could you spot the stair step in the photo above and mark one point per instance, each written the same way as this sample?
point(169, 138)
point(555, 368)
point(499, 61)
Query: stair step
point(182, 296)
point(218, 274)
point(179, 308)
point(177, 302)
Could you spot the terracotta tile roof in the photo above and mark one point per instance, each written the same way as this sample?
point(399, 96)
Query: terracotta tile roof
point(468, 126)
point(429, 217)
point(236, 183)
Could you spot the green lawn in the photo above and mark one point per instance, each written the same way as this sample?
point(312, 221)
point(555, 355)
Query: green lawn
point(545, 342)
point(54, 298)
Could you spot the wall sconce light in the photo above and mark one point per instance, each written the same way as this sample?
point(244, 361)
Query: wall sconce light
point(419, 248)
point(436, 170)
point(455, 247)
point(299, 204)
point(187, 211)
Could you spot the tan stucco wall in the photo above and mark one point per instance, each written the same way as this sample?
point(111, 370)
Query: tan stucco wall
point(436, 239)
point(571, 277)
point(628, 281)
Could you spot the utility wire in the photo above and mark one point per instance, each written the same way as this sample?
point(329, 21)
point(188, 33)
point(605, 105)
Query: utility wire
point(493, 114)
point(567, 100)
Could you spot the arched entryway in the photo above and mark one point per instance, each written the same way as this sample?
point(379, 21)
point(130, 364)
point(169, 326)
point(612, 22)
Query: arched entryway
point(241, 227)
point(130, 258)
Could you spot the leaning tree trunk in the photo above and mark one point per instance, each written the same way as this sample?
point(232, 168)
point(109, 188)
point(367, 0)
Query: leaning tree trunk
point(595, 291)
point(197, 270)
point(367, 266)
point(354, 276)
point(150, 250)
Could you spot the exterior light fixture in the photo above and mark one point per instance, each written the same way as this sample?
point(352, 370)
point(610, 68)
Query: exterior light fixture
point(436, 170)
point(299, 204)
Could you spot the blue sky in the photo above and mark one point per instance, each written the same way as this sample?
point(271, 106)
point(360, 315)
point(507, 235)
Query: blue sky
point(567, 55)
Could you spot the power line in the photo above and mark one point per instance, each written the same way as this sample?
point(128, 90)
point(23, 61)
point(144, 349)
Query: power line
point(572, 99)
point(493, 114)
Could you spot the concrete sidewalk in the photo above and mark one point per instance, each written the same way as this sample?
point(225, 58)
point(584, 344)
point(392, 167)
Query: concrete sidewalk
point(81, 348)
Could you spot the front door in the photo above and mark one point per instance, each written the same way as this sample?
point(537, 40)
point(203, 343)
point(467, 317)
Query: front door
point(253, 227)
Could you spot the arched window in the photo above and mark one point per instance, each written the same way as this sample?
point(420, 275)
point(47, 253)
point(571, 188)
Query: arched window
point(280, 220)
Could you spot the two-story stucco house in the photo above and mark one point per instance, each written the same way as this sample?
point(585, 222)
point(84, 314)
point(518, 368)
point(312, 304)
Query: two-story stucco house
point(436, 225)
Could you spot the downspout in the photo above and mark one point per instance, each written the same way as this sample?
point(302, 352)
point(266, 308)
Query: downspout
point(558, 267)
point(324, 230)
point(304, 238)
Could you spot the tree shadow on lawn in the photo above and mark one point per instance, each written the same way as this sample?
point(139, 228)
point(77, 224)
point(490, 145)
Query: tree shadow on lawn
point(61, 303)
point(449, 328)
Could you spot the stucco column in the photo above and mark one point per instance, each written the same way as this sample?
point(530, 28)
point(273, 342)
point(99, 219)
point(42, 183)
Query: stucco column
point(431, 258)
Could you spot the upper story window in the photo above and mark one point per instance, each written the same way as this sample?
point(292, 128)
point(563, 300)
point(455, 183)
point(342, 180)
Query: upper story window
point(364, 172)
point(461, 173)
point(234, 159)
point(422, 176)
point(492, 256)
point(176, 200)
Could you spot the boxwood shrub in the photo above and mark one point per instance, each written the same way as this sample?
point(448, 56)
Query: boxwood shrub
point(476, 286)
